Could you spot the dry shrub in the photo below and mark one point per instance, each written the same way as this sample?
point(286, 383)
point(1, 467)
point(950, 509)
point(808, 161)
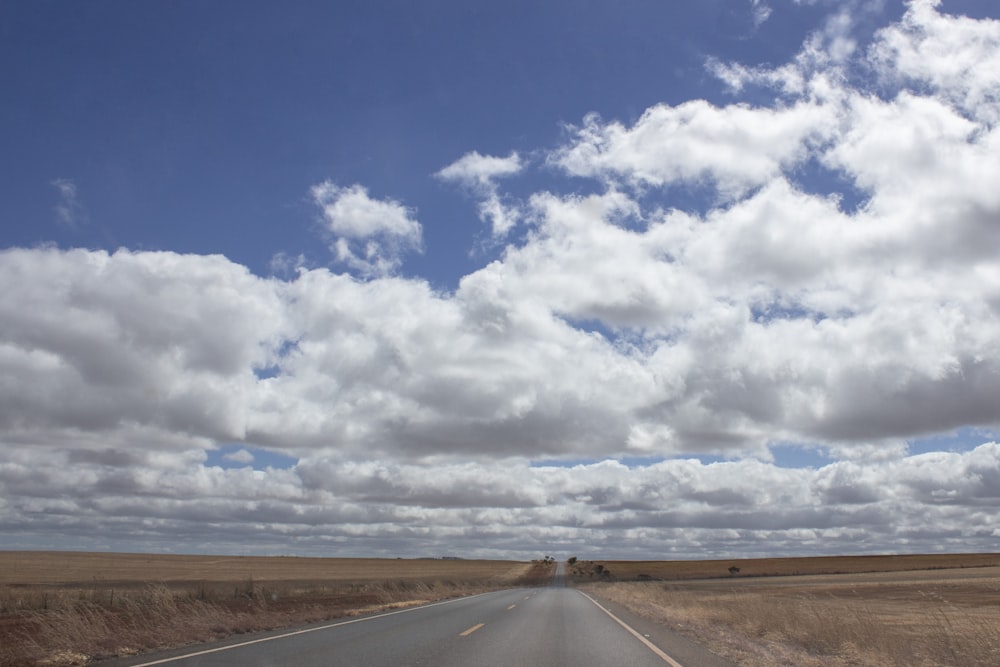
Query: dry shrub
point(139, 621)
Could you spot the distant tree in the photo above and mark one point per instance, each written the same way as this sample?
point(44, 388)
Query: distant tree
point(572, 560)
point(733, 571)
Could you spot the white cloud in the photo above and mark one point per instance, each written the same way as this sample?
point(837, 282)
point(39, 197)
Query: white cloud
point(351, 213)
point(619, 325)
point(835, 43)
point(734, 148)
point(761, 12)
point(479, 173)
point(390, 366)
point(958, 57)
point(475, 169)
point(816, 72)
point(155, 339)
point(370, 234)
point(679, 508)
point(239, 456)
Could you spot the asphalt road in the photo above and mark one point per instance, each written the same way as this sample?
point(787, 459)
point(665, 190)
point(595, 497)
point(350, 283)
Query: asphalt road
point(528, 627)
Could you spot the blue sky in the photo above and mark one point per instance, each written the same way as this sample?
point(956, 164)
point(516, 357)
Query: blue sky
point(625, 279)
point(194, 128)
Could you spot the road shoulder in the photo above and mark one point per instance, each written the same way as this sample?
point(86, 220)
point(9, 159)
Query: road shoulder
point(687, 652)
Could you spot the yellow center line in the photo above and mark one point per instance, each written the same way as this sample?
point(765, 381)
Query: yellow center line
point(471, 630)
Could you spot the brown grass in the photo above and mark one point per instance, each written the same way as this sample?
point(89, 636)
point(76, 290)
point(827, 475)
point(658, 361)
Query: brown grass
point(670, 570)
point(57, 567)
point(889, 616)
point(66, 608)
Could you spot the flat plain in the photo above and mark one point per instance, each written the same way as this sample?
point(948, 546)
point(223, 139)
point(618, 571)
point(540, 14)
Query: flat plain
point(60, 608)
point(627, 570)
point(83, 568)
point(919, 610)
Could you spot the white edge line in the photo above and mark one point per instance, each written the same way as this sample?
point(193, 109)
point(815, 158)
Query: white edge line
point(650, 645)
point(303, 631)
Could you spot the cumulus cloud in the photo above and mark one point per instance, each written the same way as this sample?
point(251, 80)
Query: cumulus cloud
point(153, 339)
point(475, 169)
point(478, 173)
point(239, 456)
point(819, 68)
point(622, 324)
point(734, 148)
point(390, 366)
point(370, 235)
point(955, 56)
point(678, 508)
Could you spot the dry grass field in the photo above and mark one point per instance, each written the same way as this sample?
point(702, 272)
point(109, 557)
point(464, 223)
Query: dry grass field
point(79, 568)
point(68, 608)
point(669, 570)
point(822, 612)
point(61, 608)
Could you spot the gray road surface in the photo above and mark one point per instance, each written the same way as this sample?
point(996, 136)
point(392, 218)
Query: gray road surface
point(529, 627)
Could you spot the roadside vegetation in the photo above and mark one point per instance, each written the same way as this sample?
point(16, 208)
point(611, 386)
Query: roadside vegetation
point(822, 612)
point(70, 608)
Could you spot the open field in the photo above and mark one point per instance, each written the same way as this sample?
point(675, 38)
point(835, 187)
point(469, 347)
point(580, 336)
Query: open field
point(61, 608)
point(66, 608)
point(669, 570)
point(62, 568)
point(948, 615)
